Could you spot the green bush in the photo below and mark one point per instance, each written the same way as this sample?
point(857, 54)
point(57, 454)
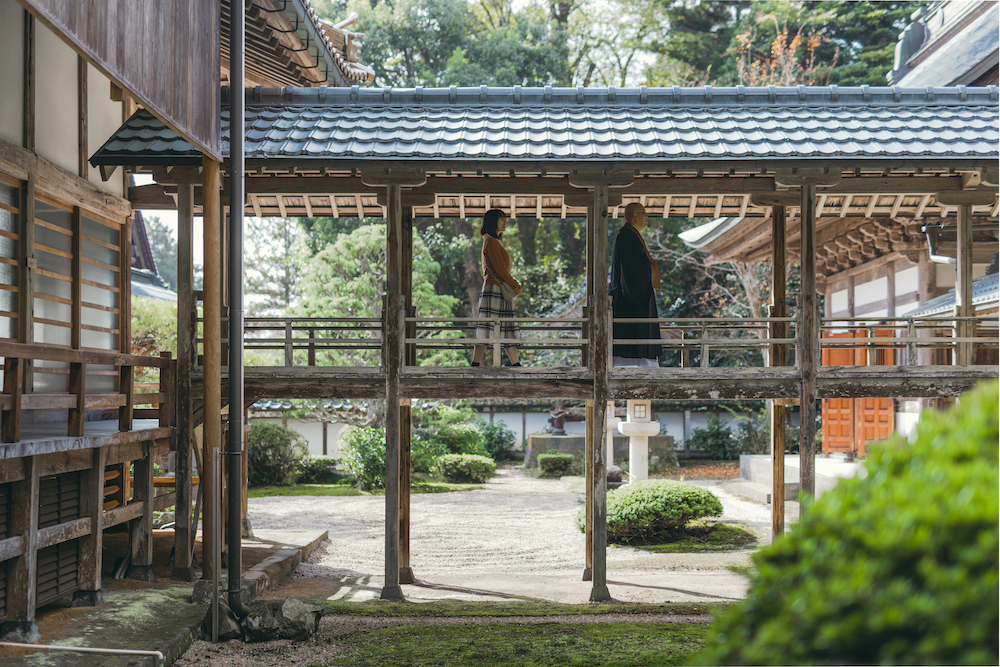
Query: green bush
point(274, 454)
point(497, 437)
point(655, 510)
point(716, 439)
point(555, 464)
point(455, 427)
point(364, 456)
point(466, 467)
point(897, 568)
point(424, 453)
point(318, 470)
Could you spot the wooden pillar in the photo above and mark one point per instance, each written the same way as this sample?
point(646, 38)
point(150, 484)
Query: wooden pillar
point(778, 357)
point(77, 372)
point(406, 282)
point(963, 286)
point(92, 545)
point(390, 336)
point(83, 152)
point(808, 336)
point(183, 570)
point(589, 445)
point(600, 334)
point(26, 277)
point(212, 382)
point(28, 90)
point(142, 528)
point(22, 570)
point(405, 570)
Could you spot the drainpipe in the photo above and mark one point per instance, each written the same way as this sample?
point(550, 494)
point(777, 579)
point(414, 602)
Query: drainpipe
point(932, 233)
point(237, 27)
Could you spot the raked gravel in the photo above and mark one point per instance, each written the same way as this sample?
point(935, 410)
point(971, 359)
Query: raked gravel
point(516, 523)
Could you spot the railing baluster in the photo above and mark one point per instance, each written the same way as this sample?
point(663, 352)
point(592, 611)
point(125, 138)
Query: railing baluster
point(289, 358)
point(496, 342)
point(704, 344)
point(312, 347)
point(911, 343)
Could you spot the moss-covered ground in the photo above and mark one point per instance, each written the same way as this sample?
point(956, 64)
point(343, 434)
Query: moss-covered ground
point(646, 641)
point(704, 536)
point(419, 484)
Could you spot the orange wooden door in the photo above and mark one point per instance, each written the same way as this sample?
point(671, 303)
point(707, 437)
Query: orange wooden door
point(875, 417)
point(838, 413)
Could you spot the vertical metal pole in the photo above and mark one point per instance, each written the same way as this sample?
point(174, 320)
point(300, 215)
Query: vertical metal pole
point(237, 20)
point(809, 334)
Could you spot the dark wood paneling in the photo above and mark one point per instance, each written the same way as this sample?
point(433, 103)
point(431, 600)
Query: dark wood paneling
point(165, 53)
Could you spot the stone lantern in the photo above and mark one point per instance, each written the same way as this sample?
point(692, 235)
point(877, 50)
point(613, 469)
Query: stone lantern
point(638, 428)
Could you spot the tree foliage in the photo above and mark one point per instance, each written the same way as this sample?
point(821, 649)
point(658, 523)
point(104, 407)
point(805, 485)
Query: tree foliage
point(163, 246)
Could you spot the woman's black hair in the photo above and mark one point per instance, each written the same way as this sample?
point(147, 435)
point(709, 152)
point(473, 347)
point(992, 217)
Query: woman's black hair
point(490, 222)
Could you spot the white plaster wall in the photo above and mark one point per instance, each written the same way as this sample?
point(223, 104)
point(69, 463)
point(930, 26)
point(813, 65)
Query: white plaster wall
point(946, 274)
point(908, 280)
point(56, 115)
point(313, 433)
point(838, 301)
point(12, 72)
point(104, 117)
point(869, 292)
point(906, 422)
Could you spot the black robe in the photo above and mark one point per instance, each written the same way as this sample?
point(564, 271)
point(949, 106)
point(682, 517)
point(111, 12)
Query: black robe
point(632, 295)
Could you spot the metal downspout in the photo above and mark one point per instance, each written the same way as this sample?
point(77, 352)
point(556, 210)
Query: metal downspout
point(932, 255)
point(237, 131)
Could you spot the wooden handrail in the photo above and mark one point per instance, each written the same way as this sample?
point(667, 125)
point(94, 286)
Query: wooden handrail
point(71, 356)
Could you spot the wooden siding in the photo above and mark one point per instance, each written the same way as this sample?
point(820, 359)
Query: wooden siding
point(171, 66)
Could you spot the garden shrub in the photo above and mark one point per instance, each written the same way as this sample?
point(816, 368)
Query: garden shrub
point(897, 568)
point(274, 454)
point(452, 426)
point(497, 437)
point(555, 464)
point(318, 470)
point(364, 456)
point(716, 439)
point(466, 467)
point(655, 509)
point(424, 453)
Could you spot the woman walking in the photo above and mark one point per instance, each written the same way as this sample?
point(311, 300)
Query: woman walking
point(496, 272)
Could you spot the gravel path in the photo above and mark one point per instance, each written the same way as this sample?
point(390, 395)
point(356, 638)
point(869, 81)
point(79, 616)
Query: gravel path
point(515, 524)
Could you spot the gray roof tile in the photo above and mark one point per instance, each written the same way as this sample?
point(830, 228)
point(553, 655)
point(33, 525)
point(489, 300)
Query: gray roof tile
point(592, 124)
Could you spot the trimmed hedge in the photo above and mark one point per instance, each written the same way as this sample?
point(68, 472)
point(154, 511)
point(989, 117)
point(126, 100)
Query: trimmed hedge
point(897, 568)
point(318, 470)
point(466, 467)
point(654, 510)
point(555, 465)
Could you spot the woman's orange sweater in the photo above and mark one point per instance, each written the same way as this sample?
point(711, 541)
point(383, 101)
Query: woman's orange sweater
point(496, 264)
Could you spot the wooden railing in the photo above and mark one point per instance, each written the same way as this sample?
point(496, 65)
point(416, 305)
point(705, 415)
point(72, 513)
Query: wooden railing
point(77, 400)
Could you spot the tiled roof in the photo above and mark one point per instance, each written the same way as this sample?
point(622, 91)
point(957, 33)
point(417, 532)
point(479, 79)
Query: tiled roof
point(985, 290)
point(595, 125)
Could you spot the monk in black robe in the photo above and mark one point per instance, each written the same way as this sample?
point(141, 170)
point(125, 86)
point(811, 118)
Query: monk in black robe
point(634, 279)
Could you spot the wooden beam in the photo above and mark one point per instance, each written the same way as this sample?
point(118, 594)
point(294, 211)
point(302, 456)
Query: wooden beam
point(600, 335)
point(83, 152)
point(405, 429)
point(212, 382)
point(963, 286)
point(21, 572)
point(391, 330)
point(808, 339)
point(778, 357)
point(92, 509)
point(186, 352)
point(141, 529)
point(28, 90)
point(588, 569)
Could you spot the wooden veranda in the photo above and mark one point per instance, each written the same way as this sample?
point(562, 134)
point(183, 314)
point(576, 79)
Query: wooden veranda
point(375, 159)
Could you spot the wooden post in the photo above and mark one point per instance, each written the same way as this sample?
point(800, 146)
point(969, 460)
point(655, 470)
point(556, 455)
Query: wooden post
point(963, 286)
point(77, 387)
point(589, 445)
point(778, 357)
point(142, 528)
point(325, 437)
point(600, 335)
point(405, 570)
point(126, 387)
point(21, 572)
point(183, 569)
point(390, 335)
point(92, 545)
point(212, 383)
point(167, 387)
point(76, 287)
point(808, 341)
point(28, 91)
point(13, 383)
point(406, 283)
point(26, 279)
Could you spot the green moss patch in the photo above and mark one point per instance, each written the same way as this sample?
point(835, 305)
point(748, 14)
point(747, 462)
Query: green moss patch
point(463, 608)
point(702, 536)
point(418, 485)
point(621, 644)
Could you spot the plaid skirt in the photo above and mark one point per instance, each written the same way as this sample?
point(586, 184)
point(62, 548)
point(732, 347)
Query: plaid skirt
point(492, 304)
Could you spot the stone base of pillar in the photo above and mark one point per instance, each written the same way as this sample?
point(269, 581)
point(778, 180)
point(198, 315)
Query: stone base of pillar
point(391, 593)
point(88, 598)
point(141, 573)
point(588, 574)
point(184, 574)
point(600, 594)
point(406, 575)
point(22, 632)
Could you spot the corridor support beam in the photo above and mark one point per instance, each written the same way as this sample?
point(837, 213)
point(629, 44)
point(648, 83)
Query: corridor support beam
point(183, 566)
point(212, 323)
point(808, 336)
point(778, 357)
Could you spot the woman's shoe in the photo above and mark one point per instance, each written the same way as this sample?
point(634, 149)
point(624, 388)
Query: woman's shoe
point(517, 364)
point(475, 363)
